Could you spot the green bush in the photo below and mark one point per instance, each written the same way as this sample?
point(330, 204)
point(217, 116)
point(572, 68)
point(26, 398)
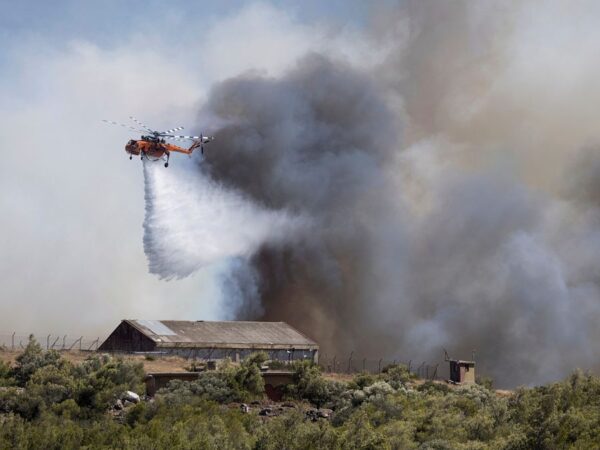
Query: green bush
point(6, 378)
point(229, 384)
point(362, 380)
point(396, 375)
point(56, 405)
point(308, 384)
point(32, 359)
point(292, 431)
point(102, 379)
point(215, 386)
point(486, 382)
point(249, 377)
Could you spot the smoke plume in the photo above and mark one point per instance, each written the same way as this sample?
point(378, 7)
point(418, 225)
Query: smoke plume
point(451, 188)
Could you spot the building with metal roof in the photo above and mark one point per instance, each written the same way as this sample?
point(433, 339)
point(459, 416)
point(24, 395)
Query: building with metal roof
point(211, 340)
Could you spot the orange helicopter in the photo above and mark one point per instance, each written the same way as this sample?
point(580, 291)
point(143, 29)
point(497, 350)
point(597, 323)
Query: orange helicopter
point(153, 146)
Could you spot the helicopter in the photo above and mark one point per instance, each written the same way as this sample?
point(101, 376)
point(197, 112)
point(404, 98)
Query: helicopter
point(152, 144)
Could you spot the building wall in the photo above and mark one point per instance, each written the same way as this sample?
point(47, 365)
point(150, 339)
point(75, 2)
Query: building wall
point(467, 374)
point(126, 338)
point(461, 372)
point(240, 354)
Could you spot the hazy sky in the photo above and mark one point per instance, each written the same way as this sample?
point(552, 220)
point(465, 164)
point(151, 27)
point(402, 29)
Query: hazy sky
point(71, 203)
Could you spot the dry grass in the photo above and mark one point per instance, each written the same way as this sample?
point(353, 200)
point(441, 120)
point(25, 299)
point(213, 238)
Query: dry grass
point(345, 377)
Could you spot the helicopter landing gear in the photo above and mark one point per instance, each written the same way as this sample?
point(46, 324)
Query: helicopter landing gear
point(130, 157)
point(167, 162)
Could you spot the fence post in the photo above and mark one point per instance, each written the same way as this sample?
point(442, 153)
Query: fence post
point(73, 344)
point(64, 341)
point(379, 366)
point(350, 361)
point(12, 342)
point(92, 344)
point(80, 342)
point(48, 342)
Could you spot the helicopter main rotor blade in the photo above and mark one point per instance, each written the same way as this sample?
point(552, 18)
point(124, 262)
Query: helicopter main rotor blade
point(171, 130)
point(172, 136)
point(123, 125)
point(142, 125)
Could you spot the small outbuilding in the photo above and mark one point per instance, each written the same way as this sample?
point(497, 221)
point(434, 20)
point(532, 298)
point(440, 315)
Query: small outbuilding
point(211, 340)
point(462, 372)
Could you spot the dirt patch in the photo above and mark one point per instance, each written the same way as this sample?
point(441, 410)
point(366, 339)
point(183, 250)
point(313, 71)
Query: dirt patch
point(344, 377)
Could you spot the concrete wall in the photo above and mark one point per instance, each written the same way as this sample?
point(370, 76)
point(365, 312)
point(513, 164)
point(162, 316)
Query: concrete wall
point(239, 354)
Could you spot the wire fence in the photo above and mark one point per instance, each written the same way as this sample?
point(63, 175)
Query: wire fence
point(345, 364)
point(18, 342)
point(352, 364)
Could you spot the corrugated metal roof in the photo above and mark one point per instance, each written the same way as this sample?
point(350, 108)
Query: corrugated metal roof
point(156, 327)
point(183, 333)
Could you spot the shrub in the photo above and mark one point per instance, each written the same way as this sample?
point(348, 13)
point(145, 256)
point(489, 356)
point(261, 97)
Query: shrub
point(277, 364)
point(6, 378)
point(53, 384)
point(362, 380)
point(229, 384)
point(32, 359)
point(308, 384)
point(359, 433)
point(215, 386)
point(19, 401)
point(432, 387)
point(102, 379)
point(291, 431)
point(396, 375)
point(249, 376)
point(486, 382)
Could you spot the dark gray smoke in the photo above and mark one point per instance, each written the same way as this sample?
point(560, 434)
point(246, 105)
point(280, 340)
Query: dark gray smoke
point(448, 209)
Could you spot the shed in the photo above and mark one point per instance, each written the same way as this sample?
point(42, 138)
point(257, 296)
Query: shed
point(462, 372)
point(211, 340)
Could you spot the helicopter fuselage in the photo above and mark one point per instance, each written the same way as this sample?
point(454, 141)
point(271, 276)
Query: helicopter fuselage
point(153, 148)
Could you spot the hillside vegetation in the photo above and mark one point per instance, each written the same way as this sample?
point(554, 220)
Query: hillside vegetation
point(51, 403)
